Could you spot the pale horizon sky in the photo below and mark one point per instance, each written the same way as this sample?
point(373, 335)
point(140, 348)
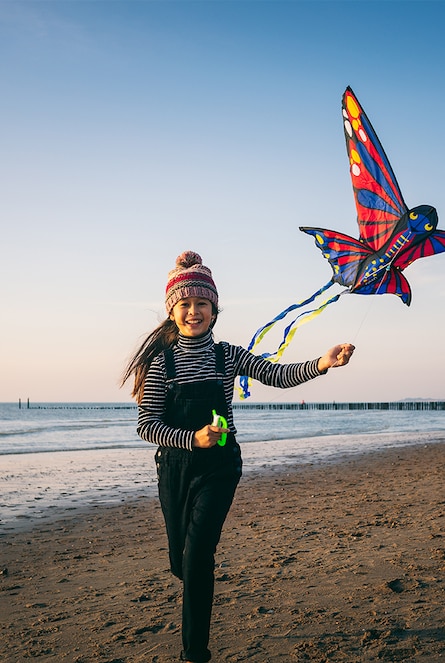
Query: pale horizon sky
point(134, 130)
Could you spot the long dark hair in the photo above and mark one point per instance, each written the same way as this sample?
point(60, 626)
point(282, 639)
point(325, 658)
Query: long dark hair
point(164, 336)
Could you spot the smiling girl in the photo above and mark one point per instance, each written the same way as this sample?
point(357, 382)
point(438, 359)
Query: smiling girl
point(181, 376)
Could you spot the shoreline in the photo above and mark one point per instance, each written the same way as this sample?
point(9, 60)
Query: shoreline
point(336, 561)
point(37, 488)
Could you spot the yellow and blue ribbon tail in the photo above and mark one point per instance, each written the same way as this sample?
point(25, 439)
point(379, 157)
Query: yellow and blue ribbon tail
point(289, 332)
point(262, 331)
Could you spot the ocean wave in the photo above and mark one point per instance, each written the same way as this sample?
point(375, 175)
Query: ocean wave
point(51, 427)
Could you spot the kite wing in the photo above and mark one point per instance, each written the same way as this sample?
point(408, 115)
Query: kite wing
point(348, 258)
point(378, 198)
point(429, 246)
point(345, 254)
point(390, 282)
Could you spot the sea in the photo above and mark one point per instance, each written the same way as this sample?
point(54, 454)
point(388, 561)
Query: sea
point(60, 457)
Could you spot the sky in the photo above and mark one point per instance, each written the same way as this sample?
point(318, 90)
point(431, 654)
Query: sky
point(134, 130)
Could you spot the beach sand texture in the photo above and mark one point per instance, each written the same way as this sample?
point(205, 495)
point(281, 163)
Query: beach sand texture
point(336, 562)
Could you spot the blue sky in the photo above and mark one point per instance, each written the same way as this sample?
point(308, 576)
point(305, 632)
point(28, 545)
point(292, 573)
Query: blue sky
point(135, 130)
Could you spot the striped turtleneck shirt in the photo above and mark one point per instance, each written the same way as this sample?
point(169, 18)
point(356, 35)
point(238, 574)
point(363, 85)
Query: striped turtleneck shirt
point(195, 360)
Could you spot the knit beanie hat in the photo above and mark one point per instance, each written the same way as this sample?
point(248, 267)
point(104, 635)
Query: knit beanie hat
point(190, 278)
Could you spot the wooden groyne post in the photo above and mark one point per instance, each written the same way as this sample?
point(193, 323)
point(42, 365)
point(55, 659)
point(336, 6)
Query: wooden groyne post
point(391, 405)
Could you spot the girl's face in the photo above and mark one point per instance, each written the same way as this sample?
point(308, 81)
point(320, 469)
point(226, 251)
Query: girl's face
point(193, 315)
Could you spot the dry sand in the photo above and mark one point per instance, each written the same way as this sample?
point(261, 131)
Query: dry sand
point(335, 562)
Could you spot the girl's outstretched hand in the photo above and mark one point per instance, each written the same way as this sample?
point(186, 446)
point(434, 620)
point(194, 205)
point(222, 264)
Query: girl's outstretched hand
point(339, 355)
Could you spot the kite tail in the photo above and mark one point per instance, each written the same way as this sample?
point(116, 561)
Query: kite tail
point(289, 332)
point(262, 331)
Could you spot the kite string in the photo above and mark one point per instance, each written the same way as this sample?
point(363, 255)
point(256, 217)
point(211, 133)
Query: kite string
point(368, 310)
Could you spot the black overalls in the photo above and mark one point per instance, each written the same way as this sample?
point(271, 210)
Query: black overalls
point(196, 490)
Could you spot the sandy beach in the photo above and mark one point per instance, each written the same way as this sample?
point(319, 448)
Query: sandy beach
point(342, 561)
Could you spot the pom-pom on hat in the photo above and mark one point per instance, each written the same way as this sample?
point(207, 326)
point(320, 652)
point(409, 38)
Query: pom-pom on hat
point(190, 278)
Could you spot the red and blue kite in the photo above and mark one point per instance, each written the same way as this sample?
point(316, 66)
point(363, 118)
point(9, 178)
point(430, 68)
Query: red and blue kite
point(391, 236)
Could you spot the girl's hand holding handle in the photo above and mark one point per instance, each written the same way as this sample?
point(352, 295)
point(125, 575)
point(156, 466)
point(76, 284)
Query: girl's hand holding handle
point(208, 436)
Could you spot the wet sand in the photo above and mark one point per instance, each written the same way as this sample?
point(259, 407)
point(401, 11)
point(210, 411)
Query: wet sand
point(342, 561)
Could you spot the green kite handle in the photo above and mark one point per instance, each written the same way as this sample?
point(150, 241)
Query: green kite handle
point(221, 422)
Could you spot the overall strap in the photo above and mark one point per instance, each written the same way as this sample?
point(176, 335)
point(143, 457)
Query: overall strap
point(169, 364)
point(220, 359)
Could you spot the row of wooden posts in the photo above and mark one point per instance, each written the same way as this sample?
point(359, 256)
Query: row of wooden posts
point(391, 405)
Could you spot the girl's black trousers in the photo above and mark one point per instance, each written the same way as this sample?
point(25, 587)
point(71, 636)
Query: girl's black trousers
point(196, 490)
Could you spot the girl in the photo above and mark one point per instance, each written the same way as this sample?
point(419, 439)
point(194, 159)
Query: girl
point(180, 377)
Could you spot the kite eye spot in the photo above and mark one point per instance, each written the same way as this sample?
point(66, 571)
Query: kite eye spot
point(413, 216)
point(428, 227)
point(319, 239)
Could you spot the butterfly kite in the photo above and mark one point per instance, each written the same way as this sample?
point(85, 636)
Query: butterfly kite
point(391, 236)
